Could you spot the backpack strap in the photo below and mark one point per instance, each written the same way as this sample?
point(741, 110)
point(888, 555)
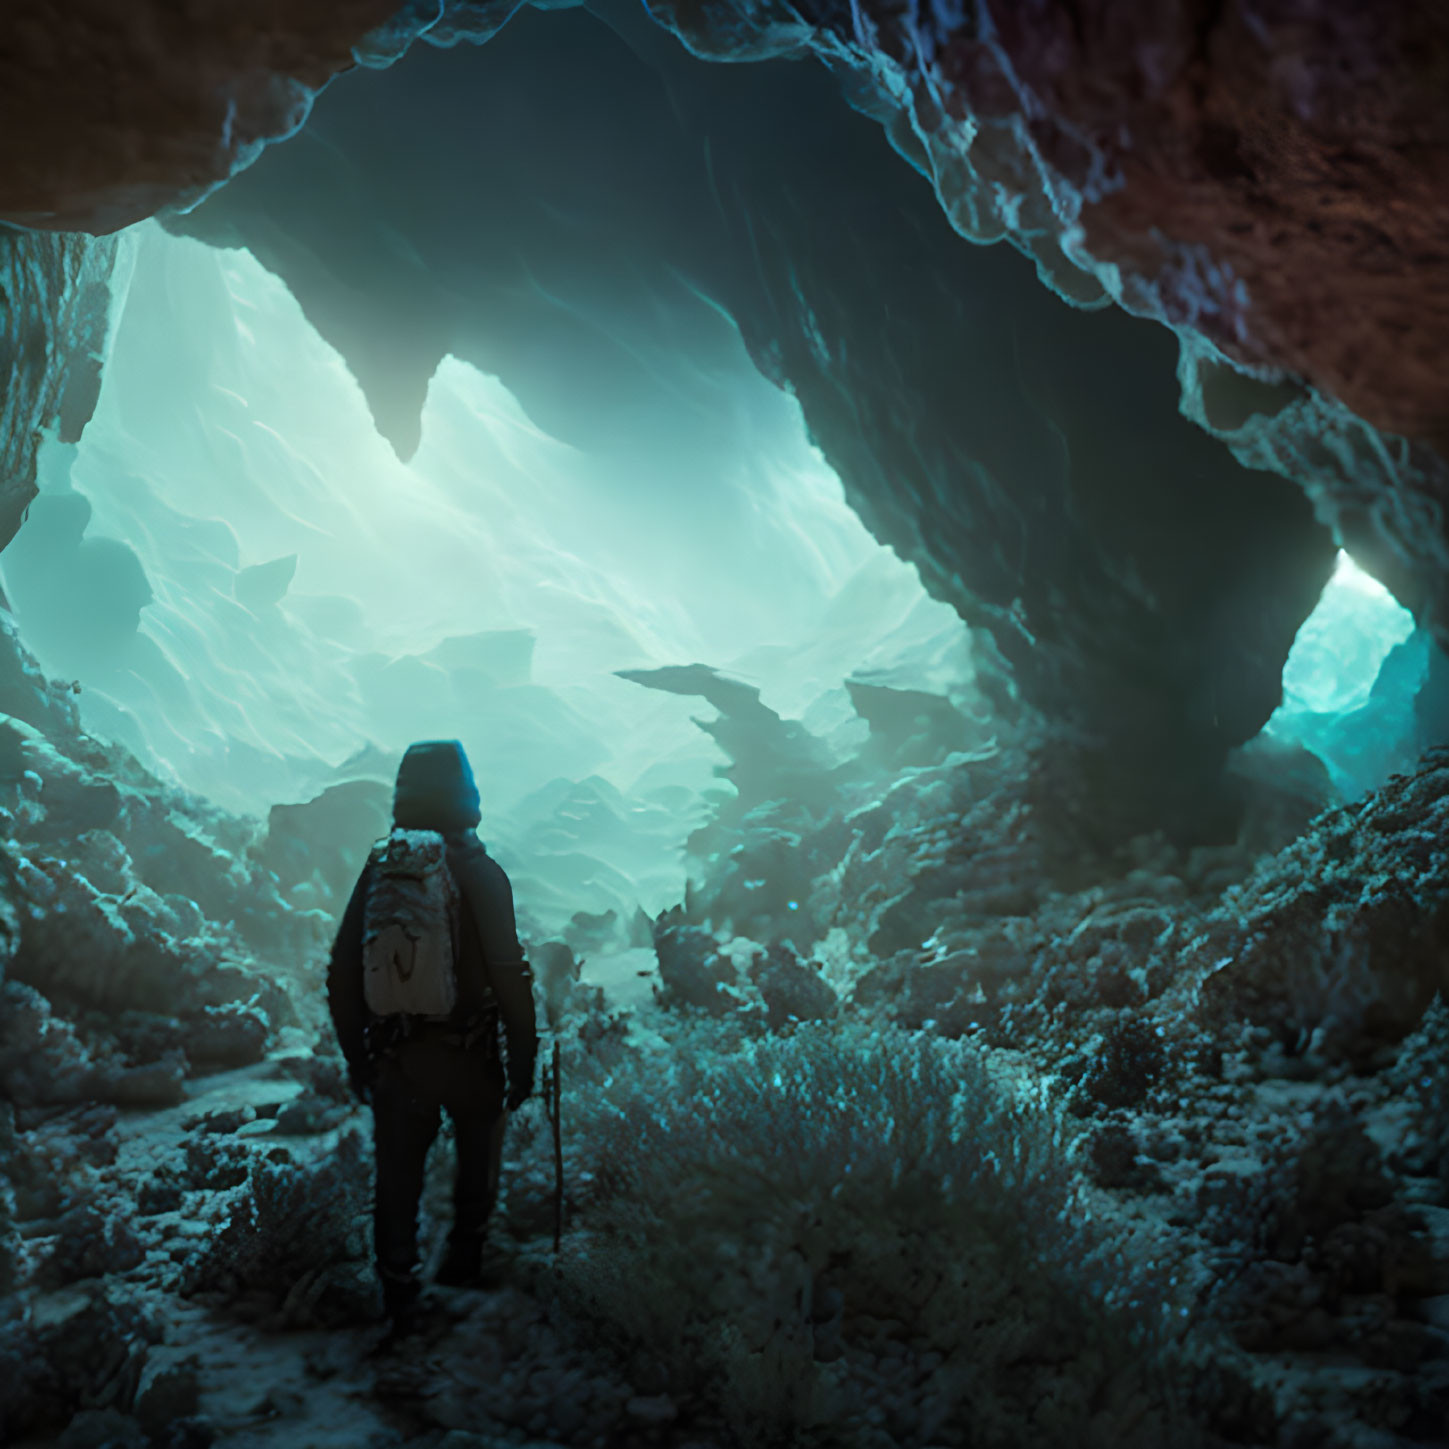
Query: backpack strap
point(483, 999)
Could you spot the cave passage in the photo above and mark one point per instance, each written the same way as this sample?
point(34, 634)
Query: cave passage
point(1362, 688)
point(258, 597)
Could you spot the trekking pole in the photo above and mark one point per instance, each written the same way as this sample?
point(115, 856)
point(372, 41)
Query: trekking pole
point(555, 1111)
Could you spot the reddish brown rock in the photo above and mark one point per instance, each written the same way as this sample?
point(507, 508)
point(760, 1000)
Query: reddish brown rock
point(1272, 173)
point(109, 112)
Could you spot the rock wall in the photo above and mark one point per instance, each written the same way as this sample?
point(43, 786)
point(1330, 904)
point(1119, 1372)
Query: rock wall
point(1028, 457)
point(144, 934)
point(109, 113)
point(54, 302)
point(1267, 180)
point(1270, 176)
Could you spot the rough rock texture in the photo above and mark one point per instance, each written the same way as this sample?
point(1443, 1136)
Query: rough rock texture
point(792, 988)
point(54, 301)
point(153, 104)
point(693, 971)
point(1262, 172)
point(138, 926)
point(1029, 457)
point(1272, 175)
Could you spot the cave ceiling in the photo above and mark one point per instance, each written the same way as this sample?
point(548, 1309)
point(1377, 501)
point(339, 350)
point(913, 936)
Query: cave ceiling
point(1272, 180)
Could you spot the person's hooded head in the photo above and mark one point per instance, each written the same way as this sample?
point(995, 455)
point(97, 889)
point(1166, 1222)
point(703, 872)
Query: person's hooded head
point(436, 789)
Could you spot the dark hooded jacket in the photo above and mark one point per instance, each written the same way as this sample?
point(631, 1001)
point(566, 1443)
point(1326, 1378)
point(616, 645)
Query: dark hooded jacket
point(436, 791)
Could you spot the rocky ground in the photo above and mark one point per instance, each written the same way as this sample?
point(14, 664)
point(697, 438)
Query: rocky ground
point(977, 1135)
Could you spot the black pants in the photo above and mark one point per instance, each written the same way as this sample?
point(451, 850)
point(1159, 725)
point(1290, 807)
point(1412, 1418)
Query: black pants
point(415, 1084)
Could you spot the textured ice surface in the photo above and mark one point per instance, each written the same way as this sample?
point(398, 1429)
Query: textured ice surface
point(1337, 654)
point(1351, 681)
point(252, 588)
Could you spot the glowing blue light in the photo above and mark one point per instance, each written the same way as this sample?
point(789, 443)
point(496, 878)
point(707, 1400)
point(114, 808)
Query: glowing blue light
point(1350, 682)
point(1342, 645)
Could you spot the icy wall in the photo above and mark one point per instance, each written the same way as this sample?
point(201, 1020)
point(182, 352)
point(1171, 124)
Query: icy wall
point(258, 596)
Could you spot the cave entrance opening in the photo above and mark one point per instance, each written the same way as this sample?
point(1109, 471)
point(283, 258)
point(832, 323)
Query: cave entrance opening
point(263, 601)
point(1360, 685)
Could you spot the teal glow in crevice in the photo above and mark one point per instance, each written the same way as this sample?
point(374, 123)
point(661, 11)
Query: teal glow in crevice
point(1352, 683)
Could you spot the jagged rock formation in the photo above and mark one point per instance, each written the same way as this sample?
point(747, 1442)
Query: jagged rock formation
point(134, 920)
point(769, 758)
point(54, 301)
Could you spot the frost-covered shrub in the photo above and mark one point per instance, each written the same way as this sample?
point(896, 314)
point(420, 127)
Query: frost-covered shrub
point(1133, 1058)
point(844, 1227)
point(293, 1232)
point(1421, 1077)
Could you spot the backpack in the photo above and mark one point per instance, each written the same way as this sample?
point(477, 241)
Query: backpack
point(410, 928)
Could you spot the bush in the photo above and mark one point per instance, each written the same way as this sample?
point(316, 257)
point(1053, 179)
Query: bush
point(843, 1228)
